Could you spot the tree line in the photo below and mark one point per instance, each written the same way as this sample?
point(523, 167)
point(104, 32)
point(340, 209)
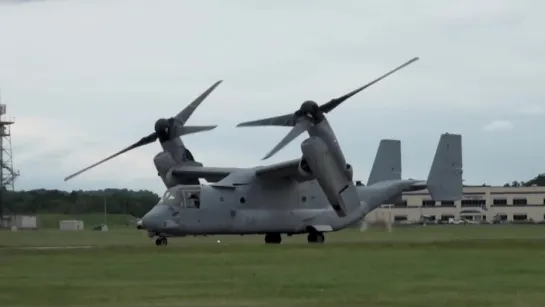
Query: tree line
point(539, 181)
point(119, 201)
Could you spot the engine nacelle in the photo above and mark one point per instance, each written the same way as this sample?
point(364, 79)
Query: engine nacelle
point(164, 163)
point(305, 171)
point(349, 172)
point(340, 190)
point(170, 180)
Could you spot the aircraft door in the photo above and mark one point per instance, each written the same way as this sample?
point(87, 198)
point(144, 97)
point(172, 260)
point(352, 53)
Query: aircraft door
point(201, 214)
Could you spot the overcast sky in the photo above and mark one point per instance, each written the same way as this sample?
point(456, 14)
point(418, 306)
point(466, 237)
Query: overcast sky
point(84, 79)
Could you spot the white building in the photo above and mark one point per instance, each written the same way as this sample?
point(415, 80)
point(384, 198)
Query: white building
point(71, 225)
point(19, 222)
point(479, 203)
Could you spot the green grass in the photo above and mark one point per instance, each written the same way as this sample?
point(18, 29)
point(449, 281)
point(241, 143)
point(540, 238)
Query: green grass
point(51, 221)
point(420, 266)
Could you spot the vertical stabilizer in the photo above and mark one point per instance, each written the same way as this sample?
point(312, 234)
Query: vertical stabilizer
point(387, 165)
point(445, 177)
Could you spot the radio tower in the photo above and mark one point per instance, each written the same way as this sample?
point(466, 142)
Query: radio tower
point(7, 172)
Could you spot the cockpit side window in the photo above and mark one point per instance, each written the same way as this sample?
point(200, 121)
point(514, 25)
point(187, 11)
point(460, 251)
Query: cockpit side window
point(192, 199)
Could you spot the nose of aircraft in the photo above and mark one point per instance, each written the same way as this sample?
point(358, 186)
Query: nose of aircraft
point(153, 219)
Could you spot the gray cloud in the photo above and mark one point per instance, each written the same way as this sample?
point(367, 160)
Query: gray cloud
point(87, 78)
point(498, 126)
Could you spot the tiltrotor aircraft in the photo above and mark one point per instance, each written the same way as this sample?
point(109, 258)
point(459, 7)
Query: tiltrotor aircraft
point(313, 194)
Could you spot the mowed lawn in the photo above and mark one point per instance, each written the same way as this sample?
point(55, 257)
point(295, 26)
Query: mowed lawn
point(420, 266)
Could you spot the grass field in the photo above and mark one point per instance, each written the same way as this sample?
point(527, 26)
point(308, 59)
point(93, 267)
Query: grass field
point(417, 266)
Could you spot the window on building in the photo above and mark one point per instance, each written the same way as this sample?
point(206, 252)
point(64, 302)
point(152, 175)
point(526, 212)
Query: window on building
point(520, 217)
point(400, 218)
point(467, 217)
point(427, 218)
point(544, 201)
point(447, 203)
point(428, 203)
point(499, 201)
point(446, 217)
point(520, 201)
point(401, 204)
point(499, 218)
point(473, 202)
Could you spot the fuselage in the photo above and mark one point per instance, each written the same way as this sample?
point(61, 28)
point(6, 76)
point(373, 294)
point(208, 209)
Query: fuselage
point(288, 207)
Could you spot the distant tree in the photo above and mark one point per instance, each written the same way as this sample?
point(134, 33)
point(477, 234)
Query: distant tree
point(539, 181)
point(135, 203)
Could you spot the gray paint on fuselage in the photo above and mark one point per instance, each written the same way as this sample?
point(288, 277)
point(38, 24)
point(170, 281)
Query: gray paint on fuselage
point(275, 208)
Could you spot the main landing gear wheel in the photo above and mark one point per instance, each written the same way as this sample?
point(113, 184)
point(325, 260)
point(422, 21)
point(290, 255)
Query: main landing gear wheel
point(161, 241)
point(273, 238)
point(316, 237)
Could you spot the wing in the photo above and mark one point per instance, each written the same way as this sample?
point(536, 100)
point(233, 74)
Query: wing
point(209, 173)
point(282, 170)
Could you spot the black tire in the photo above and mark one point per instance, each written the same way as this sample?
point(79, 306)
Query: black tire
point(273, 238)
point(316, 237)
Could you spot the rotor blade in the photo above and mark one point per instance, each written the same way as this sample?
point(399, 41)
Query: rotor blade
point(184, 115)
point(194, 129)
point(333, 103)
point(299, 128)
point(143, 141)
point(287, 120)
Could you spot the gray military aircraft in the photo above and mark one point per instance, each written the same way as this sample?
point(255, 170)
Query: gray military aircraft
point(285, 198)
point(313, 194)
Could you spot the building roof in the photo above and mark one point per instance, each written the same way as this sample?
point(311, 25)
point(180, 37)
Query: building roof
point(492, 189)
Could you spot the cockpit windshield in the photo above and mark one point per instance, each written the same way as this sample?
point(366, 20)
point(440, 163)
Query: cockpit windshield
point(187, 196)
point(168, 196)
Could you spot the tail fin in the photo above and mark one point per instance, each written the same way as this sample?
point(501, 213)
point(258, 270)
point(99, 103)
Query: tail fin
point(445, 177)
point(387, 165)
